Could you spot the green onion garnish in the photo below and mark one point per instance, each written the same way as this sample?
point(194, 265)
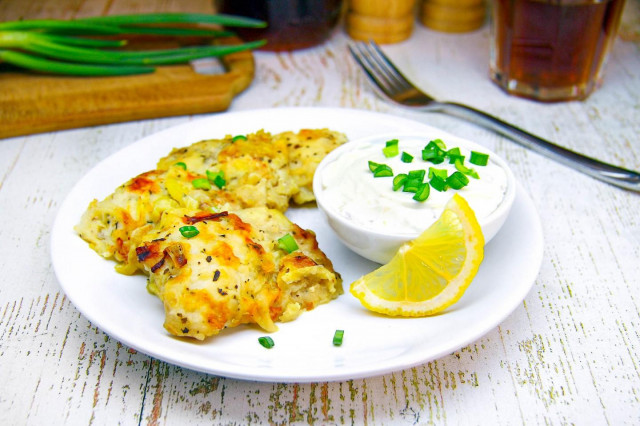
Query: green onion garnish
point(383, 171)
point(434, 151)
point(391, 148)
point(266, 341)
point(417, 174)
point(412, 185)
point(435, 155)
point(189, 231)
point(219, 181)
point(457, 180)
point(441, 173)
point(466, 170)
point(406, 157)
point(180, 164)
point(399, 180)
point(287, 243)
point(422, 193)
point(238, 137)
point(478, 158)
point(390, 151)
point(439, 143)
point(337, 337)
point(217, 178)
point(454, 155)
point(373, 166)
point(453, 151)
point(201, 183)
point(438, 183)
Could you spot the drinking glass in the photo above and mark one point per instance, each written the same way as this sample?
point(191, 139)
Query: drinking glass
point(552, 50)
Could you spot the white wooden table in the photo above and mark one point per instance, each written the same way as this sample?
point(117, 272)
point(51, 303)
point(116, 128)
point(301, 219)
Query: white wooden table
point(569, 354)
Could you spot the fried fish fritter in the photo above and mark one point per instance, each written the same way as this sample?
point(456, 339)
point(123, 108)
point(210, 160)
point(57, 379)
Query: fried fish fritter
point(306, 149)
point(107, 225)
point(255, 167)
point(232, 272)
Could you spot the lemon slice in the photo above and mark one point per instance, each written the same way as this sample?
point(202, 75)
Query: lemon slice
point(431, 272)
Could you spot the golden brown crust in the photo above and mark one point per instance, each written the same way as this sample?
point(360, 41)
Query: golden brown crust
point(233, 271)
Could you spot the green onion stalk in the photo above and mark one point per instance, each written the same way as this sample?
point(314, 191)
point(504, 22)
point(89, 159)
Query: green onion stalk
point(74, 47)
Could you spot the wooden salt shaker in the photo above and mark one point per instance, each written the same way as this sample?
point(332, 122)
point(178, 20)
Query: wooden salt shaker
point(452, 15)
point(389, 21)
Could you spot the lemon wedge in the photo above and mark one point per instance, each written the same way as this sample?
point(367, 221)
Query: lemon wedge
point(429, 273)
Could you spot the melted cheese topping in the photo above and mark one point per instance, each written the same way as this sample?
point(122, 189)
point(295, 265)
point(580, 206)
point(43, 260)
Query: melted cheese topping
point(232, 272)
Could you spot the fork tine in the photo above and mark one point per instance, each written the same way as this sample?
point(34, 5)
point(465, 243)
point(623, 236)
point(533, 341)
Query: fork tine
point(363, 58)
point(384, 75)
point(388, 67)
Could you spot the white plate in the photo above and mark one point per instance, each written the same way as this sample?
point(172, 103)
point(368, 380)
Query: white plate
point(303, 352)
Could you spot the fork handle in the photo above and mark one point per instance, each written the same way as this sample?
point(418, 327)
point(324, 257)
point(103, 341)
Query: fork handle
point(623, 178)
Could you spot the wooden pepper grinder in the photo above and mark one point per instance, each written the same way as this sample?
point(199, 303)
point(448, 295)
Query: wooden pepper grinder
point(383, 21)
point(454, 16)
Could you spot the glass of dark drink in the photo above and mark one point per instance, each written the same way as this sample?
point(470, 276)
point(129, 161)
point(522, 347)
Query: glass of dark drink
point(292, 24)
point(552, 50)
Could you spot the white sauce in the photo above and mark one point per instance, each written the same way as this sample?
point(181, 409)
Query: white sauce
point(350, 188)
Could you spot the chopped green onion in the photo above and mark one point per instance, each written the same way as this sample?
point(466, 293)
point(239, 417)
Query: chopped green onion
point(373, 166)
point(217, 178)
point(454, 155)
point(287, 243)
point(180, 164)
point(441, 173)
point(399, 180)
point(440, 144)
point(478, 158)
point(422, 193)
point(201, 183)
point(438, 183)
point(457, 180)
point(238, 137)
point(391, 148)
point(219, 181)
point(337, 337)
point(390, 151)
point(412, 185)
point(212, 175)
point(189, 231)
point(433, 153)
point(266, 341)
point(383, 171)
point(417, 174)
point(466, 170)
point(406, 157)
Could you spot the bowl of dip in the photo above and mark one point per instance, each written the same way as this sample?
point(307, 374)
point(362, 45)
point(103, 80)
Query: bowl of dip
point(354, 188)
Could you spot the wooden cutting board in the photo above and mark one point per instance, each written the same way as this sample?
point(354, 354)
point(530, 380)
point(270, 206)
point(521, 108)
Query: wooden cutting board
point(31, 103)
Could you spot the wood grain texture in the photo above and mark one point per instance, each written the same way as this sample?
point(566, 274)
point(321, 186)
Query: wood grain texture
point(569, 354)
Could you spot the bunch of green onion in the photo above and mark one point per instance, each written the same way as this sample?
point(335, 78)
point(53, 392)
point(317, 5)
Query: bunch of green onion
point(92, 46)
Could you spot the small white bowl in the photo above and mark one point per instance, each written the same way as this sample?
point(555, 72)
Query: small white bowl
point(380, 244)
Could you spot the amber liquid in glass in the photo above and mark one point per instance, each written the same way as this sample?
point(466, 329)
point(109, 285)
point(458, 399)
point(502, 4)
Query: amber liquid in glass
point(292, 24)
point(552, 50)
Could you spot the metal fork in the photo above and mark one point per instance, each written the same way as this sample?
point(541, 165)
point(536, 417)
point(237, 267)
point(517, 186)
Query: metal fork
point(391, 83)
